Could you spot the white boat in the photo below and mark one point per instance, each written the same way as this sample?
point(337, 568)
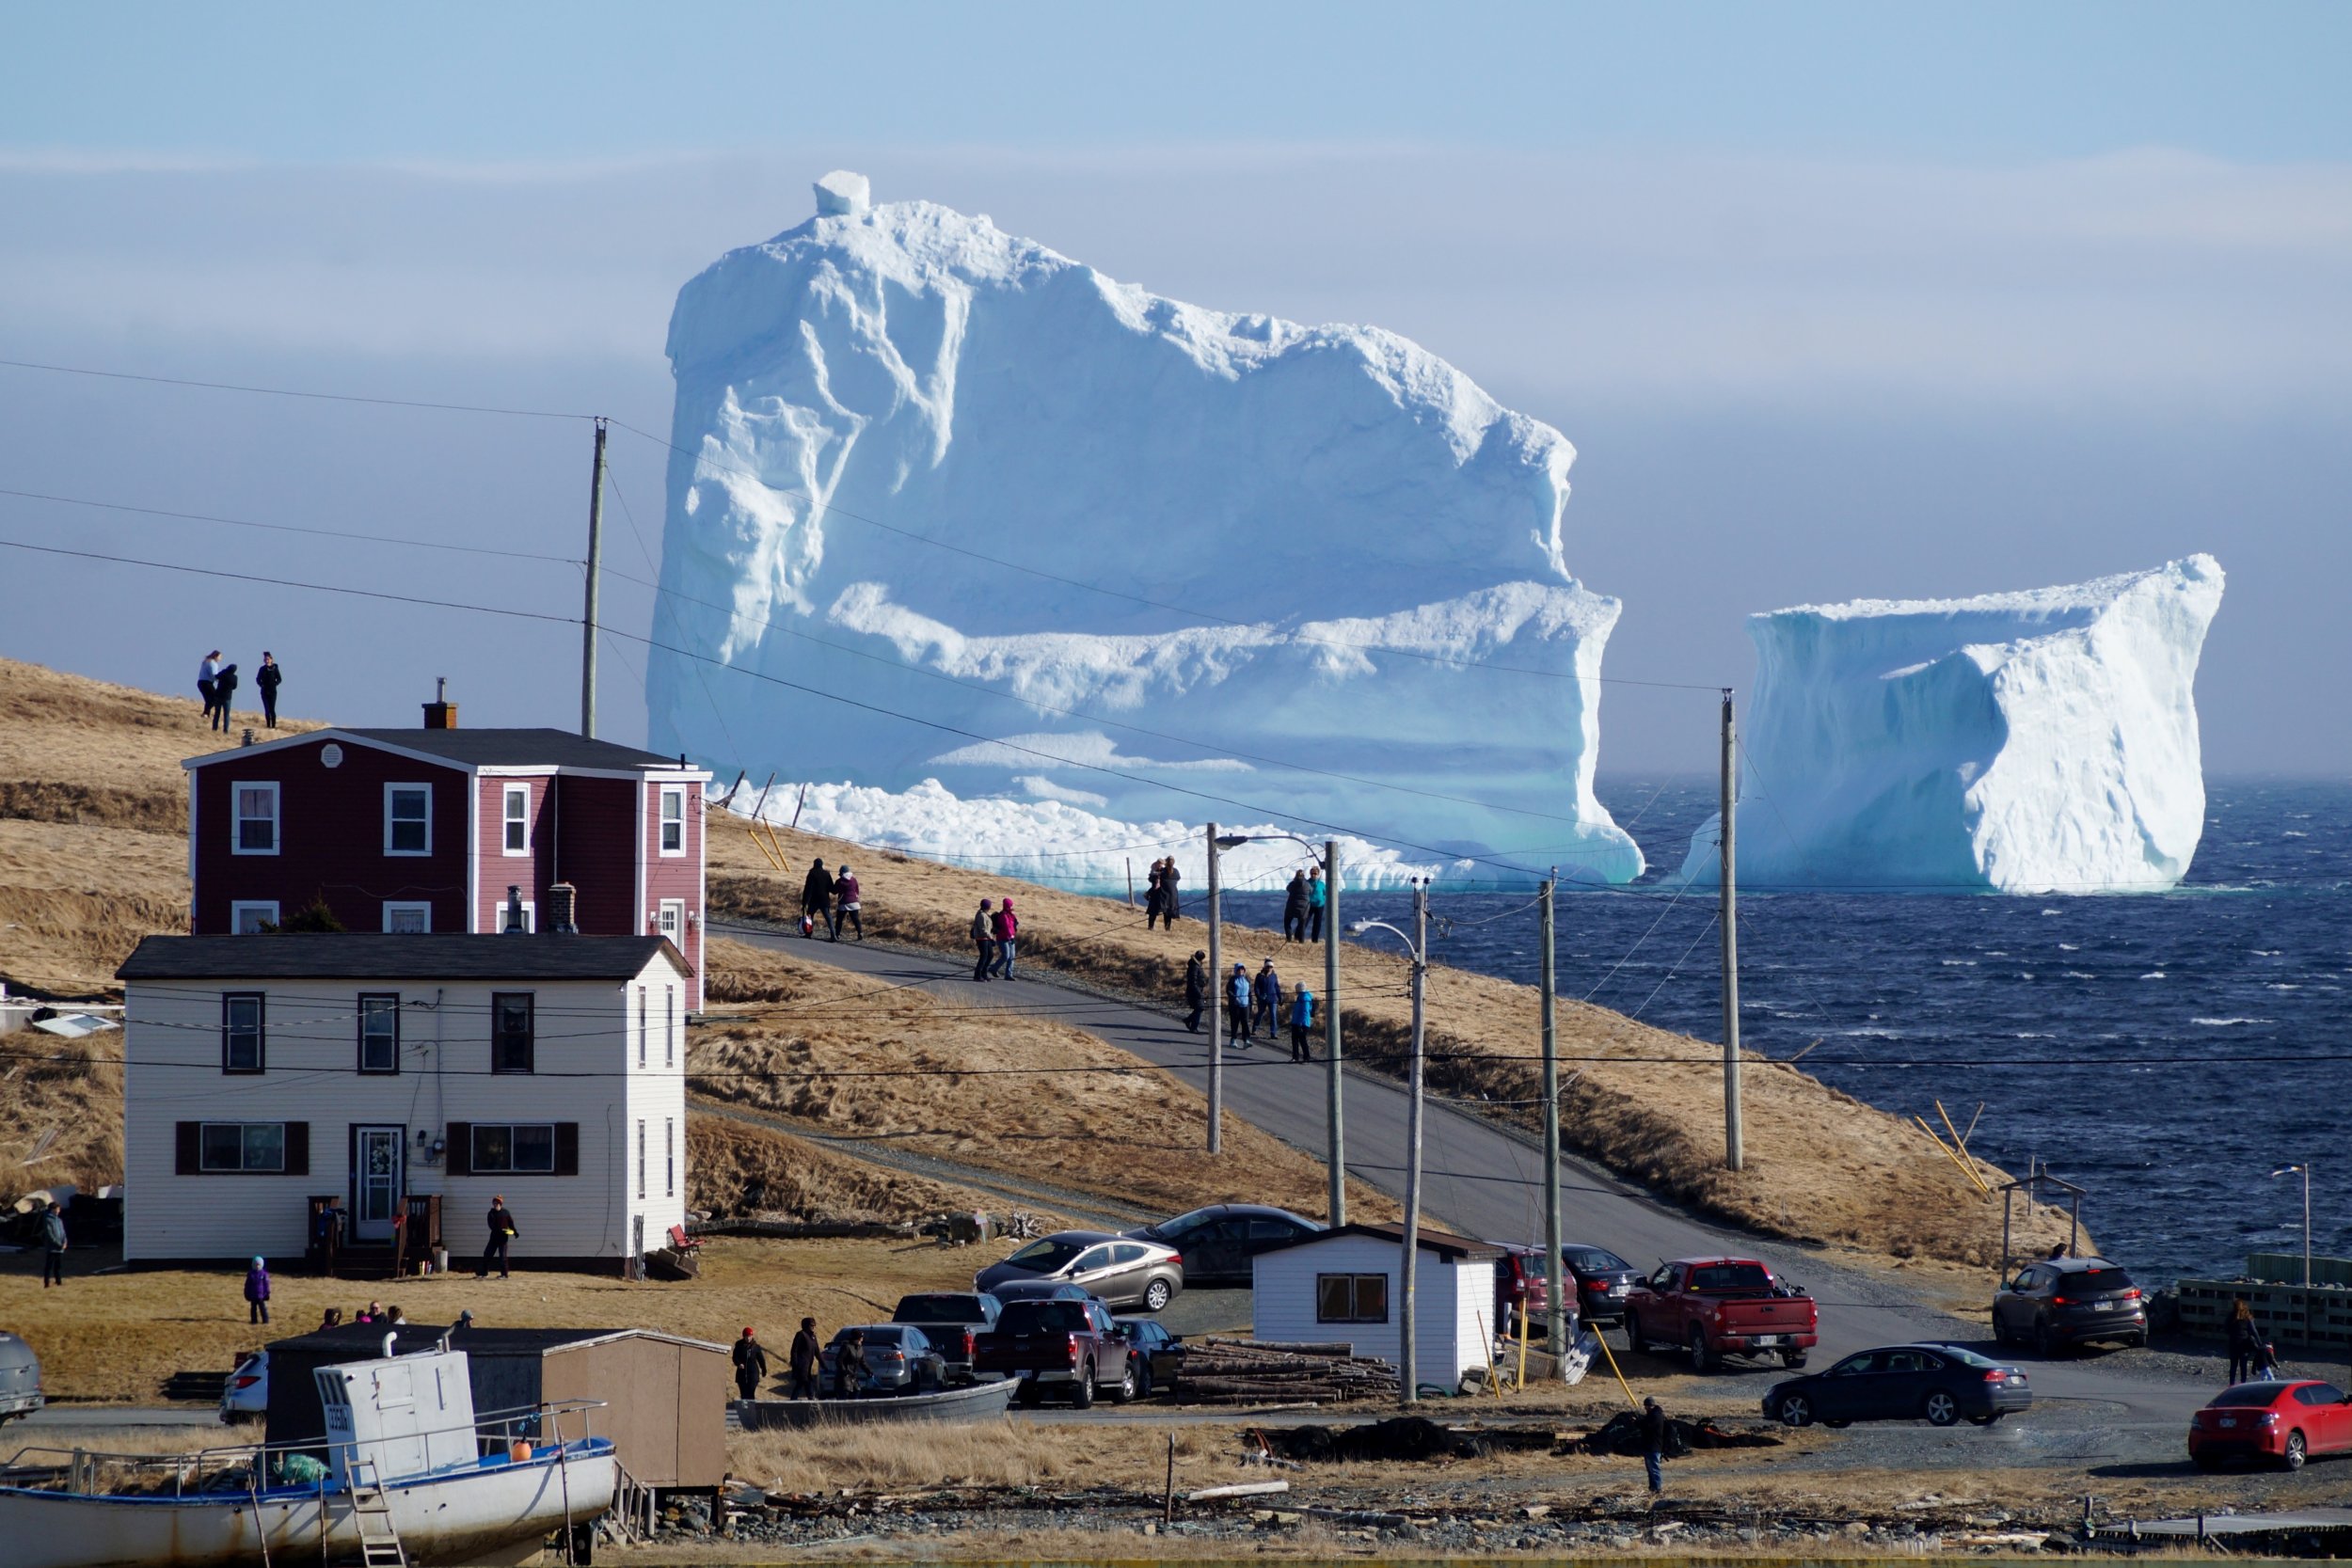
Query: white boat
point(405, 1462)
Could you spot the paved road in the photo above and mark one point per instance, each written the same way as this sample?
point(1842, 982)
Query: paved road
point(1482, 1180)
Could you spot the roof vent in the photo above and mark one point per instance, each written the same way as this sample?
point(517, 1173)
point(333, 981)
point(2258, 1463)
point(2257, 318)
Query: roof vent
point(514, 925)
point(440, 713)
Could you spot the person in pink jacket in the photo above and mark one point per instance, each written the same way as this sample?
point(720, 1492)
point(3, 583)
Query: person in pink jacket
point(1006, 930)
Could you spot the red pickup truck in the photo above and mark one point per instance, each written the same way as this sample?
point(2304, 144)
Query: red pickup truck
point(1073, 1344)
point(1711, 1308)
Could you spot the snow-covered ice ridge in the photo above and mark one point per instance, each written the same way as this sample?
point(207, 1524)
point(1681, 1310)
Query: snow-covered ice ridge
point(2033, 742)
point(1236, 543)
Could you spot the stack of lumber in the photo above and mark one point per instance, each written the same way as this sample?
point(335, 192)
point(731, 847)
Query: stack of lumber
point(1219, 1371)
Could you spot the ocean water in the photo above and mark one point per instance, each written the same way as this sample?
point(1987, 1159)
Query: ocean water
point(2165, 1051)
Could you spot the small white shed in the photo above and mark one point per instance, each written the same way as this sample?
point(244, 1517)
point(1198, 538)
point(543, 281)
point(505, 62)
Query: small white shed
point(1345, 1285)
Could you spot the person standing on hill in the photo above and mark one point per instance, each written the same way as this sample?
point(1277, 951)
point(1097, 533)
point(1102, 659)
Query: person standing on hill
point(256, 1292)
point(750, 1363)
point(817, 900)
point(52, 1246)
point(2246, 1342)
point(1237, 1004)
point(845, 905)
point(804, 1357)
point(1196, 988)
point(1266, 998)
point(1170, 906)
point(984, 942)
point(1315, 904)
point(1302, 1020)
point(502, 1233)
point(265, 681)
point(1153, 893)
point(1295, 909)
point(1006, 930)
point(223, 692)
point(207, 673)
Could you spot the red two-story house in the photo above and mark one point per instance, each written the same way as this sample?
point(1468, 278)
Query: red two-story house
point(425, 830)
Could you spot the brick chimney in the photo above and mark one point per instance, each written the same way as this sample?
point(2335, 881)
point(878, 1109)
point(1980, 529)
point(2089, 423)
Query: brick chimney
point(440, 713)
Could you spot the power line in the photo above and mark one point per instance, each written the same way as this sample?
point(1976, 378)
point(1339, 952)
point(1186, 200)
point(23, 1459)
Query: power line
point(289, 528)
point(290, 392)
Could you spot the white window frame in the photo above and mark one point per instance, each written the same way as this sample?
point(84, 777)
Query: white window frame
point(669, 920)
point(508, 820)
point(239, 909)
point(641, 1159)
point(663, 821)
point(531, 917)
point(669, 1156)
point(400, 905)
point(669, 1026)
point(237, 819)
point(644, 1025)
point(390, 790)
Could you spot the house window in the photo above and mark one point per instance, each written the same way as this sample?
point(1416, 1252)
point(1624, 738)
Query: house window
point(640, 1027)
point(669, 1156)
point(242, 1046)
point(673, 820)
point(379, 1032)
point(670, 921)
point(640, 1158)
point(519, 819)
point(1351, 1298)
point(531, 915)
point(250, 917)
point(406, 919)
point(512, 1041)
point(669, 1026)
point(513, 1148)
point(408, 820)
point(256, 1147)
point(257, 819)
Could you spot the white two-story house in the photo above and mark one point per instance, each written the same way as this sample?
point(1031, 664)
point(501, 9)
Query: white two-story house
point(264, 1072)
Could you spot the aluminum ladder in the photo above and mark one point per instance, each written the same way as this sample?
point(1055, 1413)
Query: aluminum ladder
point(371, 1517)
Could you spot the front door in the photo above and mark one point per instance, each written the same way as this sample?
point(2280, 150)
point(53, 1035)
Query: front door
point(375, 1183)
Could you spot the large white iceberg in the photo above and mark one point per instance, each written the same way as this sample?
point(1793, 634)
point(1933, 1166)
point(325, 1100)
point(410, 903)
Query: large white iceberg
point(2035, 742)
point(1066, 540)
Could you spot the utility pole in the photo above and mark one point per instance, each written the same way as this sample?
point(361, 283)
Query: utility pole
point(1336, 1157)
point(1408, 1387)
point(1216, 1007)
point(1555, 1300)
point(588, 618)
point(1729, 918)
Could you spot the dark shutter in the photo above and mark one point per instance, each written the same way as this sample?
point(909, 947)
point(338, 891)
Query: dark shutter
point(460, 1150)
point(298, 1149)
point(189, 1159)
point(568, 1149)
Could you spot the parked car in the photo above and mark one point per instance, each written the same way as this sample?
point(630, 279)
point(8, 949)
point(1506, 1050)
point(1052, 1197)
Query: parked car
point(1218, 1242)
point(1603, 1278)
point(2070, 1301)
point(20, 1377)
point(898, 1359)
point(1159, 1354)
point(1717, 1306)
point(246, 1396)
point(950, 1320)
point(1074, 1345)
point(1012, 1290)
point(2281, 1423)
point(1120, 1270)
point(1520, 1279)
point(1938, 1384)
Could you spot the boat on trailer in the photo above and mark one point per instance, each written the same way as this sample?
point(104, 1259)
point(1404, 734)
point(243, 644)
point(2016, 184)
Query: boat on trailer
point(411, 1475)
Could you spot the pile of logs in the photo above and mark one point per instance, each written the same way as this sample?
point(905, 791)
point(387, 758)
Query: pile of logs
point(1219, 1371)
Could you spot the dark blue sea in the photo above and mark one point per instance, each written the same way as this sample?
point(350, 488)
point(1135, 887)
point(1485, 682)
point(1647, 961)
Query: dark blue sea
point(2165, 1051)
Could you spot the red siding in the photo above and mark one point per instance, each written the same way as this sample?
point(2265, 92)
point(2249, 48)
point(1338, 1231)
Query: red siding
point(500, 870)
point(677, 876)
point(330, 839)
point(596, 850)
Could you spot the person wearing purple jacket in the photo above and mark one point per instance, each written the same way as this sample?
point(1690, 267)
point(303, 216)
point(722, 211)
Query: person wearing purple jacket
point(256, 1292)
point(845, 904)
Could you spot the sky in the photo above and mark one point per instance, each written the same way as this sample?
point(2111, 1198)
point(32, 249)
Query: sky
point(1835, 300)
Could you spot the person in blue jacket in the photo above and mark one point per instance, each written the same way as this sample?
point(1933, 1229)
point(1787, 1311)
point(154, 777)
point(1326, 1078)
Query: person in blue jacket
point(1302, 1020)
point(1315, 904)
point(1267, 996)
point(1237, 1004)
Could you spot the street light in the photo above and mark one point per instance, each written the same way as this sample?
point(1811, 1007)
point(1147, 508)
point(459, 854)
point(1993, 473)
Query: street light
point(2306, 1170)
point(1408, 1386)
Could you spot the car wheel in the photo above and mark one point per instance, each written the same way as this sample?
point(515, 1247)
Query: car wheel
point(1702, 1359)
point(1082, 1392)
point(1792, 1359)
point(1026, 1396)
point(1633, 1333)
point(1795, 1410)
point(1129, 1386)
point(1157, 1295)
point(1940, 1408)
point(1143, 1380)
point(2297, 1450)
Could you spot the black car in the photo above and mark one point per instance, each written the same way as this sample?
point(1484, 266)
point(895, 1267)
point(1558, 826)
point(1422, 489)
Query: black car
point(1218, 1242)
point(1601, 1280)
point(949, 1319)
point(1938, 1384)
point(2070, 1301)
point(1038, 1290)
point(1159, 1356)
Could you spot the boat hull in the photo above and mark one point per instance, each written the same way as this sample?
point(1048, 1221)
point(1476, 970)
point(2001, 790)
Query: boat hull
point(981, 1401)
point(456, 1517)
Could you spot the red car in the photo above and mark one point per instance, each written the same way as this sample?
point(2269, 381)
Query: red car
point(2284, 1423)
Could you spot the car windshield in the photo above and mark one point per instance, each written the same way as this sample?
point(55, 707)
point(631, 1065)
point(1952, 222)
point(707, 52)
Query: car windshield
point(939, 1309)
point(1593, 1259)
point(2094, 1281)
point(2243, 1396)
point(1048, 1317)
point(1044, 1257)
point(1965, 1358)
point(1731, 1276)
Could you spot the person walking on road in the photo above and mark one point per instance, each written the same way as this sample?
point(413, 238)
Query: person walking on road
point(265, 680)
point(984, 940)
point(1295, 909)
point(1237, 1004)
point(1654, 1445)
point(803, 1358)
point(1302, 1020)
point(1315, 904)
point(1006, 927)
point(2245, 1340)
point(750, 1363)
point(845, 905)
point(817, 900)
point(1266, 998)
point(223, 692)
point(1195, 990)
point(52, 1246)
point(502, 1234)
point(207, 674)
point(256, 1292)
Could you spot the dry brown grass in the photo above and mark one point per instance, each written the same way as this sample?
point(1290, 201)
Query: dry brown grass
point(73, 1090)
point(1648, 1104)
point(732, 1169)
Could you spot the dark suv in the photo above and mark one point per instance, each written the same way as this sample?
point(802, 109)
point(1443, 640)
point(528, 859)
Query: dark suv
point(2070, 1301)
point(1220, 1242)
point(1600, 1280)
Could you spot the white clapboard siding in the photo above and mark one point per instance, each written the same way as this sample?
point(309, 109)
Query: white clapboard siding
point(1448, 1298)
point(586, 1072)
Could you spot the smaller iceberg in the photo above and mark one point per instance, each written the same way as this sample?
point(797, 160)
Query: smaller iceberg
point(2034, 742)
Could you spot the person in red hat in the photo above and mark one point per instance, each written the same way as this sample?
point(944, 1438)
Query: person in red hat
point(751, 1364)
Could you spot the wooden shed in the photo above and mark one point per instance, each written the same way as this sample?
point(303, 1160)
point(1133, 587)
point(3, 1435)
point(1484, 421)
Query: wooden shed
point(1344, 1285)
point(665, 1397)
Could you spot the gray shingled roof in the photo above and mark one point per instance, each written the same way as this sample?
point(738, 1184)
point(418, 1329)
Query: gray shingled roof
point(376, 956)
point(1445, 1243)
point(516, 748)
